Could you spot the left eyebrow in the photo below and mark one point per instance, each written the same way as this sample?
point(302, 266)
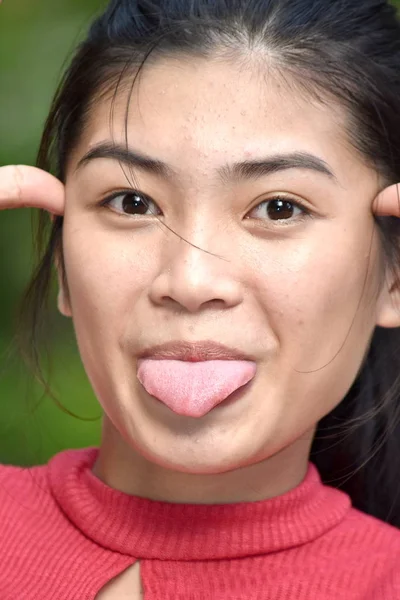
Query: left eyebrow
point(275, 163)
point(248, 169)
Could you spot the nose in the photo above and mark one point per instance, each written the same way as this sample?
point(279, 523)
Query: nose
point(193, 278)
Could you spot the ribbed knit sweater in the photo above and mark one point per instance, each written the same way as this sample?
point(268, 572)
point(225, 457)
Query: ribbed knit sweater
point(64, 534)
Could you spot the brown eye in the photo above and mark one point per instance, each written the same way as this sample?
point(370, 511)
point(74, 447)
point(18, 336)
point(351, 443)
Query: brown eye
point(132, 203)
point(278, 209)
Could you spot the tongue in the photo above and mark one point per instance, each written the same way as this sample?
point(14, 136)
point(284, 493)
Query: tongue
point(193, 388)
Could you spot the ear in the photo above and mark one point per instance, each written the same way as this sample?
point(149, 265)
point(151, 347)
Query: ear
point(387, 204)
point(63, 302)
point(388, 305)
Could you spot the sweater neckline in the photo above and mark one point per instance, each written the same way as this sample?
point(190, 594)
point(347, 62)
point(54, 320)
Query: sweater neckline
point(149, 529)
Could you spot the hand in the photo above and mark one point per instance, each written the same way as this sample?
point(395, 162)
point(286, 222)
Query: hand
point(23, 186)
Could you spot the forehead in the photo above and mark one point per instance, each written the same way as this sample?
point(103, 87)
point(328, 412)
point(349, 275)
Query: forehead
point(196, 114)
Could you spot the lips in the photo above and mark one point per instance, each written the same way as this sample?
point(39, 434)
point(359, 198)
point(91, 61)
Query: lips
point(194, 351)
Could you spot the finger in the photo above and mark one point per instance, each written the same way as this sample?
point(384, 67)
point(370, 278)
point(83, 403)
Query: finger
point(23, 186)
point(387, 203)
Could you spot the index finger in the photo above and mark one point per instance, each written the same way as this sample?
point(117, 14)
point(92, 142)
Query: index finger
point(24, 186)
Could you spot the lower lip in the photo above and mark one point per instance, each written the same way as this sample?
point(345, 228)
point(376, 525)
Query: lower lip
point(229, 401)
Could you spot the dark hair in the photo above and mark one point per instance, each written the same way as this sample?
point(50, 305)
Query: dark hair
point(343, 51)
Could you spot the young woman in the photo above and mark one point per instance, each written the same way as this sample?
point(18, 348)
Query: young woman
point(225, 228)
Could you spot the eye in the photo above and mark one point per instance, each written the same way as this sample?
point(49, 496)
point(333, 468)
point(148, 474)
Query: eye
point(131, 203)
point(278, 209)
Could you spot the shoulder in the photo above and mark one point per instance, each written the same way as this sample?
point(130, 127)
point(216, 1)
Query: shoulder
point(23, 488)
point(362, 534)
point(364, 543)
point(40, 545)
point(372, 531)
point(27, 500)
point(379, 549)
point(27, 490)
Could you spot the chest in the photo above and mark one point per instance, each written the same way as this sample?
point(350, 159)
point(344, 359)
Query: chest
point(127, 586)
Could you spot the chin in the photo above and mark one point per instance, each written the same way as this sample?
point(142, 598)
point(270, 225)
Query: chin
point(196, 460)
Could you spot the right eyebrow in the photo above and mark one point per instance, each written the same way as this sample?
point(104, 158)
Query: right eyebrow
point(127, 156)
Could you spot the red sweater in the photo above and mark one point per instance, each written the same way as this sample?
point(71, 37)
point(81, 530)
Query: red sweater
point(64, 534)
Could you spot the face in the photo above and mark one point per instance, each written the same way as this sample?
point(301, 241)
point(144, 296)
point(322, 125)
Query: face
point(277, 258)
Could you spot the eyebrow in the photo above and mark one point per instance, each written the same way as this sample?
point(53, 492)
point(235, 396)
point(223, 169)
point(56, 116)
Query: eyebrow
point(128, 157)
point(248, 169)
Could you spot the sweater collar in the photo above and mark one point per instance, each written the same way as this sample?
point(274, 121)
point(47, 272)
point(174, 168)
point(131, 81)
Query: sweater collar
point(149, 529)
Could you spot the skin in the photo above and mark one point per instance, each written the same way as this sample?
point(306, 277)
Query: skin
point(301, 296)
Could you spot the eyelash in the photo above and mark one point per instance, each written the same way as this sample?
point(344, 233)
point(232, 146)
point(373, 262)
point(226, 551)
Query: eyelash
point(296, 204)
point(146, 201)
point(107, 201)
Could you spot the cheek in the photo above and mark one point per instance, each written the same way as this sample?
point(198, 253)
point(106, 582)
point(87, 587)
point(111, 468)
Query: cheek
point(320, 297)
point(320, 314)
point(106, 278)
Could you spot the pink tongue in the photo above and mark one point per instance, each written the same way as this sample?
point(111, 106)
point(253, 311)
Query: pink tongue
point(193, 388)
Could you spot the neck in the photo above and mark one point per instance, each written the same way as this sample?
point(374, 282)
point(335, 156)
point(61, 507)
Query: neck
point(121, 467)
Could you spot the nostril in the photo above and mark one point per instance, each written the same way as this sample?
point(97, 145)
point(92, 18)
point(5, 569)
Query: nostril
point(196, 282)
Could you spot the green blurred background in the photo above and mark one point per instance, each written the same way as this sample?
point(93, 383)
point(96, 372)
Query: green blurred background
point(36, 39)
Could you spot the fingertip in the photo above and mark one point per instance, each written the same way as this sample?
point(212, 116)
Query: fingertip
point(26, 186)
point(387, 202)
